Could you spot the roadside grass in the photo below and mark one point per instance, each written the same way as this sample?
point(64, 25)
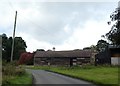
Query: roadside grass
point(101, 75)
point(25, 79)
point(15, 75)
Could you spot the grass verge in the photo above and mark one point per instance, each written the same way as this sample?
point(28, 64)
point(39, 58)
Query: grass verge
point(24, 80)
point(13, 75)
point(101, 75)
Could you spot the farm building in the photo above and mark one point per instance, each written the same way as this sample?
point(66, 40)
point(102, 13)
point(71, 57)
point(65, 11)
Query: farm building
point(73, 57)
point(115, 55)
point(111, 55)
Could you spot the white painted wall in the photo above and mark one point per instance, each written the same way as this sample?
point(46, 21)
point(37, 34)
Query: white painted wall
point(115, 60)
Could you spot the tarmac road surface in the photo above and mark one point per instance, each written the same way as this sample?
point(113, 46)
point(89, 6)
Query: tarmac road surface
point(45, 77)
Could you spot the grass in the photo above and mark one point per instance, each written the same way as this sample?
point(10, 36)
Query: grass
point(103, 75)
point(14, 75)
point(25, 79)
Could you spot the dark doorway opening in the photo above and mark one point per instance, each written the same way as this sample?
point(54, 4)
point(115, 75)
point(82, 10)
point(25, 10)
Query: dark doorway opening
point(71, 61)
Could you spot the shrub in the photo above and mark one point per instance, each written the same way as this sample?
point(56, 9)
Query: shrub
point(19, 71)
point(10, 69)
point(13, 75)
point(26, 58)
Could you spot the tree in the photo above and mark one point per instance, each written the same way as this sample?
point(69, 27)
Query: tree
point(26, 58)
point(19, 47)
point(86, 48)
point(40, 50)
point(92, 47)
point(114, 34)
point(101, 45)
point(5, 45)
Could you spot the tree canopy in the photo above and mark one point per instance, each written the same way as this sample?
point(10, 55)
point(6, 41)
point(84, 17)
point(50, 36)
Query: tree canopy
point(19, 47)
point(26, 58)
point(114, 34)
point(92, 48)
point(101, 45)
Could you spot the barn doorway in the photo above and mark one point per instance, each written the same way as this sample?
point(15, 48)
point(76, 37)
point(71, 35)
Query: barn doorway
point(71, 62)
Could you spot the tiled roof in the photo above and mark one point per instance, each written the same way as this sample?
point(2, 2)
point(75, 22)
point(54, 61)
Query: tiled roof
point(77, 53)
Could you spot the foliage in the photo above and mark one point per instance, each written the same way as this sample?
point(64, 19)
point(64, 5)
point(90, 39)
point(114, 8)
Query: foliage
point(92, 47)
point(26, 58)
point(101, 45)
point(19, 47)
point(114, 34)
point(86, 48)
point(24, 80)
point(105, 75)
point(12, 74)
point(40, 50)
point(11, 69)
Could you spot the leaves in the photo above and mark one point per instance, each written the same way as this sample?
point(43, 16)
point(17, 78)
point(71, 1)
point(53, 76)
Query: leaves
point(101, 45)
point(114, 34)
point(26, 58)
point(19, 47)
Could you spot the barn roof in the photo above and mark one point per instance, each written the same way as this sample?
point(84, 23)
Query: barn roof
point(76, 53)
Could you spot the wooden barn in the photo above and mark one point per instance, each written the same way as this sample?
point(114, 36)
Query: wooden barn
point(68, 58)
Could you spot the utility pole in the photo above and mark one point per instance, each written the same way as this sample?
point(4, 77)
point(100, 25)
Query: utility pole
point(13, 37)
point(119, 4)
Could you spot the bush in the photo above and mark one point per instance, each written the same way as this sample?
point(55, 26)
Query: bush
point(13, 74)
point(8, 70)
point(19, 71)
point(26, 58)
point(12, 70)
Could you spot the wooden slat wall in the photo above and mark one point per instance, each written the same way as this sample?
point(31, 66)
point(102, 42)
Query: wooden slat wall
point(61, 61)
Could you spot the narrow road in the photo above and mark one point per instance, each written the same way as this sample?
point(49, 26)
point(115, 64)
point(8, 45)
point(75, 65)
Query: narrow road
point(45, 77)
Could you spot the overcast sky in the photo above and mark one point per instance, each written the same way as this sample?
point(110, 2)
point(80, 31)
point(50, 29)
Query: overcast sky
point(63, 25)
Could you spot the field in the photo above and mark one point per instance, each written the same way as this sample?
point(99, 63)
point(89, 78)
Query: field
point(102, 75)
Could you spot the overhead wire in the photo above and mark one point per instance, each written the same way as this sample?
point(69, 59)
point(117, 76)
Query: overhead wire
point(12, 7)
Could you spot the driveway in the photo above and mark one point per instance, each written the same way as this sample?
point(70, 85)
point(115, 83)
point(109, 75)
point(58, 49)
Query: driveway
point(45, 77)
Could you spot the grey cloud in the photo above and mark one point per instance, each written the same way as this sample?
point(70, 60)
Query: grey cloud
point(55, 16)
point(51, 27)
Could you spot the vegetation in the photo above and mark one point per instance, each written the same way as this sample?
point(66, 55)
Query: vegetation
point(105, 75)
point(26, 58)
point(101, 45)
point(19, 47)
point(13, 75)
point(92, 47)
point(114, 34)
